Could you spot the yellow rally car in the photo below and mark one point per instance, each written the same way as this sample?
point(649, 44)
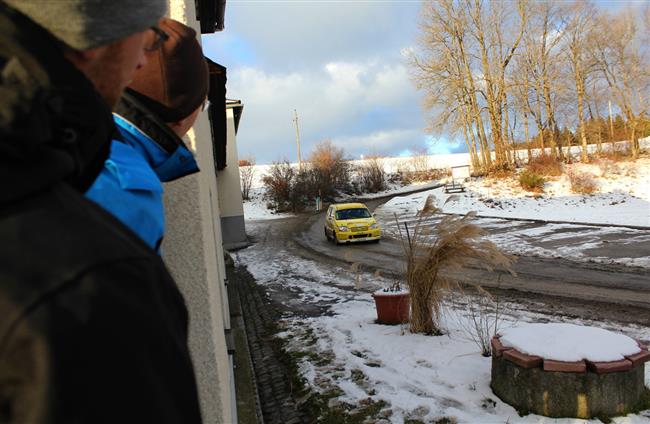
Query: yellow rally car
point(351, 222)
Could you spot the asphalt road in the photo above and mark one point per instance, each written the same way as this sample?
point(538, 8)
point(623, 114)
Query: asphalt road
point(583, 283)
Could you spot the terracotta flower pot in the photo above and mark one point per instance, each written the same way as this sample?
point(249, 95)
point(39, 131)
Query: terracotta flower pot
point(392, 307)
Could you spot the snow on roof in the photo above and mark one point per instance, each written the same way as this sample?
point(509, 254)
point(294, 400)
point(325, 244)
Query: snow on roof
point(569, 342)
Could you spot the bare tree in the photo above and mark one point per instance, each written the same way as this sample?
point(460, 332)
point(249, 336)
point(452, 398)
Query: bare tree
point(623, 65)
point(491, 68)
point(468, 94)
point(545, 33)
point(495, 53)
point(443, 71)
point(246, 175)
point(579, 31)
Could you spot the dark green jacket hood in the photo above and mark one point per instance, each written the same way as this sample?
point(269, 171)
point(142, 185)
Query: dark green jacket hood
point(54, 126)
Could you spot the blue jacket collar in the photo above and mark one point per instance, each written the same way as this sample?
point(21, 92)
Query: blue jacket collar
point(154, 140)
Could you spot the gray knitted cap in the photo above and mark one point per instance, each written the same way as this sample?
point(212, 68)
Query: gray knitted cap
point(84, 24)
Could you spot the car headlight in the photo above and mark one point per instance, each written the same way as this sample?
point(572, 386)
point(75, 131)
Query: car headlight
point(374, 226)
point(343, 228)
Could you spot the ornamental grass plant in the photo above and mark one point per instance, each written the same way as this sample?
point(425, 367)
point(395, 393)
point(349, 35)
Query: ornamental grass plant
point(431, 249)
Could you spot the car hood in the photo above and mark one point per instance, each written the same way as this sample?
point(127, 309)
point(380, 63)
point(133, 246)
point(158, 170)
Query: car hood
point(356, 222)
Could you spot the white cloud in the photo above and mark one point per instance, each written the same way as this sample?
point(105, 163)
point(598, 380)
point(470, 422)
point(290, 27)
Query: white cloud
point(379, 142)
point(300, 34)
point(334, 102)
point(340, 64)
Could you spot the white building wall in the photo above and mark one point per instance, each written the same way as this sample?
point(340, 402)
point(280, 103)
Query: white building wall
point(229, 185)
point(193, 252)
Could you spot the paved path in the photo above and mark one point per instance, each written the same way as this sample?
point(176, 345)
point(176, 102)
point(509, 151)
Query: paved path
point(545, 285)
point(554, 276)
point(272, 377)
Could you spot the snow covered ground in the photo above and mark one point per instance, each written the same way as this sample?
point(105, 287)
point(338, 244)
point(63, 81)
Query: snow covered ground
point(346, 355)
point(623, 200)
point(418, 377)
point(622, 196)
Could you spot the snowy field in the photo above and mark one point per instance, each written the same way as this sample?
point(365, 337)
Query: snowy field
point(622, 197)
point(426, 378)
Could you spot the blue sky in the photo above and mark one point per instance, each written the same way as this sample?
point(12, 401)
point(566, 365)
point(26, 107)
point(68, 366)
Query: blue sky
point(338, 63)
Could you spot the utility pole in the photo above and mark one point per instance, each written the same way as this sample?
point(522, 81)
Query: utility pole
point(295, 120)
point(611, 122)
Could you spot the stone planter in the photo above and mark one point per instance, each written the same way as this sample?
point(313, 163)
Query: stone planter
point(581, 389)
point(392, 307)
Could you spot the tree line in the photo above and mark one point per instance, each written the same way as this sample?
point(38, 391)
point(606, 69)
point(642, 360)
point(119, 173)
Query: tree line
point(505, 73)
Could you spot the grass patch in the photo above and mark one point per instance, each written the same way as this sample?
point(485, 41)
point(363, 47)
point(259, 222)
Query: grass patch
point(357, 375)
point(439, 420)
point(345, 413)
point(319, 406)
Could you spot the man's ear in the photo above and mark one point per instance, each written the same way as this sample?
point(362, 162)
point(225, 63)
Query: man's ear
point(178, 124)
point(83, 56)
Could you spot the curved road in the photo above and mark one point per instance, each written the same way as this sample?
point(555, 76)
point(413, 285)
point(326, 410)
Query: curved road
point(605, 284)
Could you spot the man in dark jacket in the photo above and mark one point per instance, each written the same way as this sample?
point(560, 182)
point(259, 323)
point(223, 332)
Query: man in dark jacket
point(92, 327)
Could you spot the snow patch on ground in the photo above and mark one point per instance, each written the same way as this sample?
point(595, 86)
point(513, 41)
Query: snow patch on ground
point(255, 208)
point(419, 377)
point(569, 342)
point(624, 200)
point(583, 234)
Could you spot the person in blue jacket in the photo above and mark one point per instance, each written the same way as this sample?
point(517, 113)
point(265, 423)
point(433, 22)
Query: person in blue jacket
point(157, 109)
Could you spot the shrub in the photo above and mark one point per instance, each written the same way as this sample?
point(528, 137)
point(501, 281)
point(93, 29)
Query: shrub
point(608, 167)
point(582, 182)
point(328, 172)
point(433, 174)
point(545, 164)
point(531, 181)
point(285, 187)
point(324, 174)
point(246, 176)
point(419, 161)
point(619, 154)
point(481, 316)
point(417, 169)
point(372, 177)
point(500, 172)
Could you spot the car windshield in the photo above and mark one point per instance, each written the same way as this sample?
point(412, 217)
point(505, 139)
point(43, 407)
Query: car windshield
point(353, 213)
